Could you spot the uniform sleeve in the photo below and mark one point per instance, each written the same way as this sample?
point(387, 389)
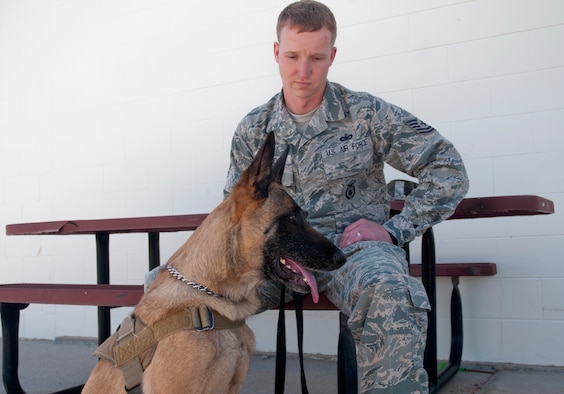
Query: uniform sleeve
point(249, 136)
point(239, 159)
point(417, 149)
point(245, 143)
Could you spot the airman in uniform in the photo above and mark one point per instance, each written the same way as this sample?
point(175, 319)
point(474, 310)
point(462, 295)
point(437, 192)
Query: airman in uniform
point(339, 140)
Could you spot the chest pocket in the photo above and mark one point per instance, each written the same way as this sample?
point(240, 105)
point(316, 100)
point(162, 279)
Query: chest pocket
point(348, 157)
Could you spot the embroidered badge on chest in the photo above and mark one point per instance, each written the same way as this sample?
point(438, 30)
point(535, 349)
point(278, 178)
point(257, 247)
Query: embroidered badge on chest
point(419, 126)
point(350, 192)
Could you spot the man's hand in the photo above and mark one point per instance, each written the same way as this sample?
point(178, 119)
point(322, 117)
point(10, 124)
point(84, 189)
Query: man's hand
point(364, 230)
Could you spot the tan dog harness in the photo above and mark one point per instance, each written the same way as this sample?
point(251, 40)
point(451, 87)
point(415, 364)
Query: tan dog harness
point(132, 346)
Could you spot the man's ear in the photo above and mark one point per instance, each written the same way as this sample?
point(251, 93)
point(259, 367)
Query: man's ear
point(333, 54)
point(276, 51)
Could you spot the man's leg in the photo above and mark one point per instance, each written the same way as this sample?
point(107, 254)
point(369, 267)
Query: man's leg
point(387, 311)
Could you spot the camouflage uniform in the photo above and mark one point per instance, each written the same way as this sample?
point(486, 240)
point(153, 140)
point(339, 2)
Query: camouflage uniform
point(335, 172)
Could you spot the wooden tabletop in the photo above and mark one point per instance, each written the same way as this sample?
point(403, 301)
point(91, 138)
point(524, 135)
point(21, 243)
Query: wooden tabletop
point(498, 206)
point(469, 208)
point(111, 226)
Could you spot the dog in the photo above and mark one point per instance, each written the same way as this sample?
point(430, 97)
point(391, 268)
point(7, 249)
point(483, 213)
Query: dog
point(257, 233)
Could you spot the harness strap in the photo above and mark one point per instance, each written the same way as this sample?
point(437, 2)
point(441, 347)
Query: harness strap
point(132, 346)
point(133, 374)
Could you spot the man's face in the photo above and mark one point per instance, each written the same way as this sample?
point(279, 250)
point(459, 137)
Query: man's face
point(304, 60)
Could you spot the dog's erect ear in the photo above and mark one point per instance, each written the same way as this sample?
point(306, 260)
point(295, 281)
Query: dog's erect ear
point(278, 168)
point(260, 170)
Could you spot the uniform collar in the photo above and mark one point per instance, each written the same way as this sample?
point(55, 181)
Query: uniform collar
point(330, 110)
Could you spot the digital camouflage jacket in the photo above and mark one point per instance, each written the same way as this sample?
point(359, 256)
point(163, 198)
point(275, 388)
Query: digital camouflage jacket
point(335, 168)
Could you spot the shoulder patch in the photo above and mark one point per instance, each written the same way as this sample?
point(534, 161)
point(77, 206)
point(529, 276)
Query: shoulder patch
point(419, 126)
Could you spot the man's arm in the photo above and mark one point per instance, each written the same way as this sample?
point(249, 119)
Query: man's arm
point(418, 150)
point(242, 152)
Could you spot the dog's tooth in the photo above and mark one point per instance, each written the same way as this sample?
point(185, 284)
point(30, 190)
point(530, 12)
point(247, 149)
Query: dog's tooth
point(283, 261)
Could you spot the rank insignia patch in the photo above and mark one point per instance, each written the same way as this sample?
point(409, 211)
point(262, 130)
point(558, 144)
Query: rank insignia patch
point(419, 126)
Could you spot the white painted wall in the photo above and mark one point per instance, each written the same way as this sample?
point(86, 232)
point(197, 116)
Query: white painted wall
point(126, 108)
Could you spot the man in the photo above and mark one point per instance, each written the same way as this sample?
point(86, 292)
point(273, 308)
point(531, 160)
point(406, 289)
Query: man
point(339, 141)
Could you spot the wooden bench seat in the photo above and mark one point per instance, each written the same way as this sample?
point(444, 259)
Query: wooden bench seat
point(458, 269)
point(129, 295)
point(442, 269)
point(71, 294)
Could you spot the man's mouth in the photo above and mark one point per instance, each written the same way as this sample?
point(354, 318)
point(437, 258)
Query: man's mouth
point(302, 84)
point(300, 277)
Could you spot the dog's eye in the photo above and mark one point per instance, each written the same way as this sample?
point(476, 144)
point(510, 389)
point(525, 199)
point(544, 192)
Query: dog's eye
point(293, 219)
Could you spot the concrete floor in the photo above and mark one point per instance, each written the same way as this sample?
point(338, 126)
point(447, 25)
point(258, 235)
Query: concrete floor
point(47, 366)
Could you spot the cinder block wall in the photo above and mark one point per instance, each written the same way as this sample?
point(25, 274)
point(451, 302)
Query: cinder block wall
point(126, 108)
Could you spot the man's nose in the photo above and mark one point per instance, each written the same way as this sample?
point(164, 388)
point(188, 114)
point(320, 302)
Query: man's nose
point(304, 68)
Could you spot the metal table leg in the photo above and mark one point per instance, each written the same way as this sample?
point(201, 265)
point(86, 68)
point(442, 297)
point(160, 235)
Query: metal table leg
point(428, 276)
point(436, 380)
point(154, 251)
point(103, 278)
point(10, 346)
point(456, 333)
point(347, 381)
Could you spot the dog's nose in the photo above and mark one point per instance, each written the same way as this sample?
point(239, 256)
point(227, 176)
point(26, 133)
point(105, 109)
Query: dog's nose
point(339, 258)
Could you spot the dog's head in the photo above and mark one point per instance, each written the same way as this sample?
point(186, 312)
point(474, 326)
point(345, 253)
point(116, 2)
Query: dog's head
point(291, 248)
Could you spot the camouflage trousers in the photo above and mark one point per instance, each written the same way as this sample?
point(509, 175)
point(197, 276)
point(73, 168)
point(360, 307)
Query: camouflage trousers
point(387, 311)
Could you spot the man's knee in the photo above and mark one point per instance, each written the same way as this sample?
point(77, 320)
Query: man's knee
point(389, 305)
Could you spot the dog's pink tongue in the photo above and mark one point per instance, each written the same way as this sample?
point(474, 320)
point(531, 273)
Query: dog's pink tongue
point(307, 275)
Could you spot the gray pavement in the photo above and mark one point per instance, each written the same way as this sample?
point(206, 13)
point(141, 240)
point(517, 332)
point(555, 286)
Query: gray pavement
point(47, 366)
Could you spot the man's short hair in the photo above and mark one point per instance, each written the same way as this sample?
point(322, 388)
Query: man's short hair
point(307, 16)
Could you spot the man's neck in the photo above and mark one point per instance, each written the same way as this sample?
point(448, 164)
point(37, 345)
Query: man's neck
point(301, 106)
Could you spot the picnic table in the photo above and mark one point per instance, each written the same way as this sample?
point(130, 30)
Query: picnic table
point(15, 297)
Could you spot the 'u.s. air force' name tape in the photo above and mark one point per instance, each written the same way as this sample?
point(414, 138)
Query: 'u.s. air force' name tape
point(419, 126)
point(349, 146)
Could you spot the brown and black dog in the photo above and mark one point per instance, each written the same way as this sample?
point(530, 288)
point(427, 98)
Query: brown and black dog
point(257, 233)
